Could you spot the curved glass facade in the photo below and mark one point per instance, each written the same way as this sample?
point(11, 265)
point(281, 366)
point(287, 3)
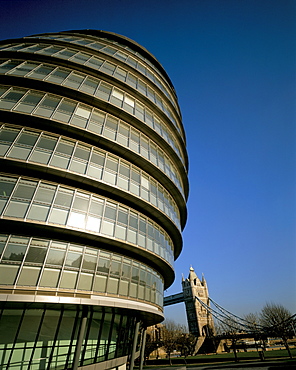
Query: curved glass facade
point(93, 189)
point(84, 116)
point(46, 338)
point(60, 152)
point(44, 263)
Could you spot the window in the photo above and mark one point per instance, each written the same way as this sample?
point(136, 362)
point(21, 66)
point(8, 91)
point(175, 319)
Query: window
point(13, 96)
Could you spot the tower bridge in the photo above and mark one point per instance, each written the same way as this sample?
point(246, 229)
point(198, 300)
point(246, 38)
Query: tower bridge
point(200, 316)
point(195, 295)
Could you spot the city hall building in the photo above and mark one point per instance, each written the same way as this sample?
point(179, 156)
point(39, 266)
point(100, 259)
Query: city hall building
point(93, 189)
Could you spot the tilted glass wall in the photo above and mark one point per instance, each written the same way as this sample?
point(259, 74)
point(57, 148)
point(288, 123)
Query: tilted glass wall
point(55, 266)
point(93, 189)
point(46, 337)
point(80, 115)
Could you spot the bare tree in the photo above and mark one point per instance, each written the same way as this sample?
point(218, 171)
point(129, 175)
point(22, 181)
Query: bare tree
point(232, 329)
point(277, 321)
point(170, 335)
point(252, 321)
point(187, 342)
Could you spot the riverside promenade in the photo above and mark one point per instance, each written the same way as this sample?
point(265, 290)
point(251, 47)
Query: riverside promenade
point(257, 365)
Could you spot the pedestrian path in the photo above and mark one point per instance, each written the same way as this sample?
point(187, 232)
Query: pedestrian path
point(264, 365)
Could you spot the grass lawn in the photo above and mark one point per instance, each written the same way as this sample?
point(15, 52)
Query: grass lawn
point(225, 357)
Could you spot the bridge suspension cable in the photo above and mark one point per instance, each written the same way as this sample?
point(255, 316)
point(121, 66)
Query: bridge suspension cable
point(227, 318)
point(237, 323)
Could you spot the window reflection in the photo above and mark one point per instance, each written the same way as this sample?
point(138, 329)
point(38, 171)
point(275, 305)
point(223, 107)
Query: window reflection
point(104, 272)
point(116, 221)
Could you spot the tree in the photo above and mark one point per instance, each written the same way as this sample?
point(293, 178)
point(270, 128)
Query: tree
point(276, 320)
point(232, 329)
point(187, 343)
point(170, 335)
point(252, 321)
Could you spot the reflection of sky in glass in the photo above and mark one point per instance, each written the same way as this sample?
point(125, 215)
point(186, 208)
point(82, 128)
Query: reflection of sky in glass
point(76, 219)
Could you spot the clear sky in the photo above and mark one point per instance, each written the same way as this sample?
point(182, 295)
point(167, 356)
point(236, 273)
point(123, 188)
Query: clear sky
point(233, 65)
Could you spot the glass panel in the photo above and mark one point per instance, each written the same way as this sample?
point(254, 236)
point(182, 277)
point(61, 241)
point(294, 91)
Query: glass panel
point(123, 288)
point(100, 284)
point(67, 106)
point(38, 212)
point(58, 216)
point(112, 286)
point(36, 254)
point(6, 186)
point(41, 71)
point(89, 262)
point(9, 65)
point(20, 153)
point(77, 220)
point(32, 98)
point(107, 228)
point(25, 190)
point(115, 268)
point(14, 252)
point(8, 274)
point(8, 135)
point(67, 53)
point(11, 98)
point(49, 278)
point(103, 265)
point(40, 157)
point(50, 102)
point(85, 281)
point(74, 80)
point(55, 257)
point(45, 194)
point(16, 209)
point(73, 260)
point(93, 224)
point(77, 166)
point(24, 68)
point(64, 197)
point(80, 58)
point(29, 276)
point(89, 85)
point(46, 143)
point(68, 279)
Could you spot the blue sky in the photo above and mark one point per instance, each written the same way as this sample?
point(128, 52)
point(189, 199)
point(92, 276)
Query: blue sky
point(233, 65)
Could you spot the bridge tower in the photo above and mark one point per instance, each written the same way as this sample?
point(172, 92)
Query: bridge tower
point(200, 322)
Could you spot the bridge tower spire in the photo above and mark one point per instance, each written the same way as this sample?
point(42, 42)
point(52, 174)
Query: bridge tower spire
point(200, 321)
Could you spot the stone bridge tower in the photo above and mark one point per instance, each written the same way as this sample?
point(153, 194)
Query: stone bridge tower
point(200, 321)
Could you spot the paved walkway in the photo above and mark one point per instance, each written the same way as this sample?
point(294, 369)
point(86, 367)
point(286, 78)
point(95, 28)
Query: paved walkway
point(264, 365)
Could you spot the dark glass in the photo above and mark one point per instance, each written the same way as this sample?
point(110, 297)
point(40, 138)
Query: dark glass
point(98, 159)
point(65, 148)
point(14, 252)
point(133, 222)
point(25, 190)
point(6, 188)
point(27, 139)
point(110, 212)
point(82, 153)
point(46, 143)
point(36, 255)
point(8, 135)
point(122, 217)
